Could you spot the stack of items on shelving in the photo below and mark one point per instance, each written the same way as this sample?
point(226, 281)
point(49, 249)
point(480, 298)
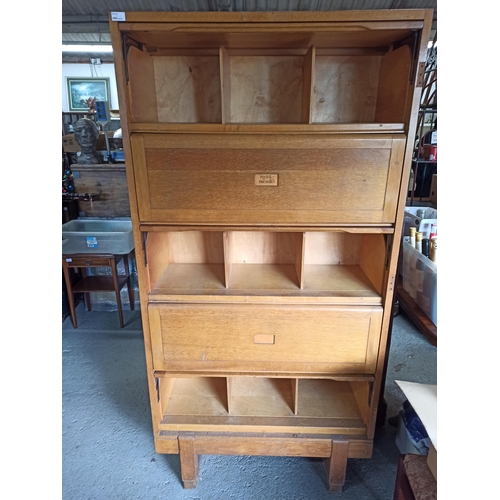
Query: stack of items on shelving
point(420, 265)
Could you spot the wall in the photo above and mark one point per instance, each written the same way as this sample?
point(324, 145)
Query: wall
point(84, 70)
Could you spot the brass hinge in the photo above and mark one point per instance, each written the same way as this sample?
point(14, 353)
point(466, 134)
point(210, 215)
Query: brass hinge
point(420, 74)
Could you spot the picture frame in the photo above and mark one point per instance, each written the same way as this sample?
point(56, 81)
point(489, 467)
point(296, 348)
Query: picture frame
point(80, 89)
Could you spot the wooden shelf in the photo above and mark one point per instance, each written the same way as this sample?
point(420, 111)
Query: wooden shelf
point(258, 404)
point(273, 282)
point(98, 284)
point(265, 128)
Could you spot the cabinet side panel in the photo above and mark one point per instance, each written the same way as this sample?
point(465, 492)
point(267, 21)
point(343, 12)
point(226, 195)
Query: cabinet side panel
point(393, 85)
point(142, 87)
point(372, 259)
point(143, 277)
point(141, 176)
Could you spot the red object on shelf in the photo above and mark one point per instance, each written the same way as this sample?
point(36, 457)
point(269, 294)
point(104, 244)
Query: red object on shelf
point(433, 152)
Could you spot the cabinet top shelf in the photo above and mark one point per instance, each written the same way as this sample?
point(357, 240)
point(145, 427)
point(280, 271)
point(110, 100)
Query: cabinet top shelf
point(337, 29)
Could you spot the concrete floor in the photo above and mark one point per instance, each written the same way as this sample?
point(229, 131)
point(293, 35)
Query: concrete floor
point(108, 451)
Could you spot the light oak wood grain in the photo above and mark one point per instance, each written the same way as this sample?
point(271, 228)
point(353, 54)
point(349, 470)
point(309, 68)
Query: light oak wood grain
point(188, 88)
point(143, 104)
point(266, 89)
point(345, 89)
point(240, 281)
point(394, 84)
point(208, 335)
point(340, 182)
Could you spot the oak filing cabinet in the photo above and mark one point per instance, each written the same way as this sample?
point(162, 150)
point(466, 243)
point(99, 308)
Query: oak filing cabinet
point(267, 164)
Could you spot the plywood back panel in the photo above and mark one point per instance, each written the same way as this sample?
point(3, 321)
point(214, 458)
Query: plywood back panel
point(345, 89)
point(266, 89)
point(196, 247)
point(262, 247)
point(332, 248)
point(188, 89)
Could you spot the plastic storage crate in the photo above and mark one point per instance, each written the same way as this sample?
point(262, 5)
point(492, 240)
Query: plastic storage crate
point(420, 280)
point(97, 236)
point(423, 224)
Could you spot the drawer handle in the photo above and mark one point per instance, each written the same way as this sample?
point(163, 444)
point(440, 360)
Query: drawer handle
point(88, 262)
point(263, 339)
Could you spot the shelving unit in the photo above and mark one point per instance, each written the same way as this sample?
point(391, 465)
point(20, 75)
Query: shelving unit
point(427, 116)
point(267, 165)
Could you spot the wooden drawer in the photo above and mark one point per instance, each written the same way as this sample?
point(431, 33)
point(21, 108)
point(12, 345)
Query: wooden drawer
point(88, 261)
point(264, 338)
point(267, 179)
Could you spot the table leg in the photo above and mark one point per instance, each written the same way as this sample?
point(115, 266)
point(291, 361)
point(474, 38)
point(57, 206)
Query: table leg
point(87, 295)
point(117, 291)
point(69, 288)
point(129, 284)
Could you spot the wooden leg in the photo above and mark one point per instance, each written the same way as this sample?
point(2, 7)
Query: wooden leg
point(189, 461)
point(335, 466)
point(402, 488)
point(87, 295)
point(129, 285)
point(71, 299)
point(117, 292)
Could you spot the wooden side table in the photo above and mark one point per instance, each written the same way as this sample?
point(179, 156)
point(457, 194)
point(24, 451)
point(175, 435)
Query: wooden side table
point(89, 284)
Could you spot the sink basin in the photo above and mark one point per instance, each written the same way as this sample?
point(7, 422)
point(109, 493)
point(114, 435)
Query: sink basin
point(97, 236)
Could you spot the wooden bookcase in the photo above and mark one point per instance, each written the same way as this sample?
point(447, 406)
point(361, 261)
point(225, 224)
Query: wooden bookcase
point(267, 165)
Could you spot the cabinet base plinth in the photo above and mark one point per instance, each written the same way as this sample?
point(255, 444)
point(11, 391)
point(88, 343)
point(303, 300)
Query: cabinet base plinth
point(334, 450)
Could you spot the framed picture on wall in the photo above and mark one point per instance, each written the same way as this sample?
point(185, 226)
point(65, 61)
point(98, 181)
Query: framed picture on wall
point(81, 89)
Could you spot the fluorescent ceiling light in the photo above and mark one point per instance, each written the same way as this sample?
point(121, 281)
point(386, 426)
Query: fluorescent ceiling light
point(87, 48)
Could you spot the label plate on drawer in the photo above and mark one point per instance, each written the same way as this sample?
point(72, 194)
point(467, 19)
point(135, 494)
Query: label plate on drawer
point(266, 179)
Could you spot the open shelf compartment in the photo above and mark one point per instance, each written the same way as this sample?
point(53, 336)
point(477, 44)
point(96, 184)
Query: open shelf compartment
point(338, 265)
point(302, 84)
point(264, 404)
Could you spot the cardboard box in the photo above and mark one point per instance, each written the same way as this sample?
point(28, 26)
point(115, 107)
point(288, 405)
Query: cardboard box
point(434, 191)
point(423, 398)
point(71, 146)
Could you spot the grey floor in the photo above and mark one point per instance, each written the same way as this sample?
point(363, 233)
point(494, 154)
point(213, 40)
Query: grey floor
point(108, 451)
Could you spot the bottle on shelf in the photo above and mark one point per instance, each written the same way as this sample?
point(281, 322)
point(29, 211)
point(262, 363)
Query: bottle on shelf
point(425, 247)
point(413, 231)
point(420, 269)
point(418, 241)
point(433, 253)
point(433, 231)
